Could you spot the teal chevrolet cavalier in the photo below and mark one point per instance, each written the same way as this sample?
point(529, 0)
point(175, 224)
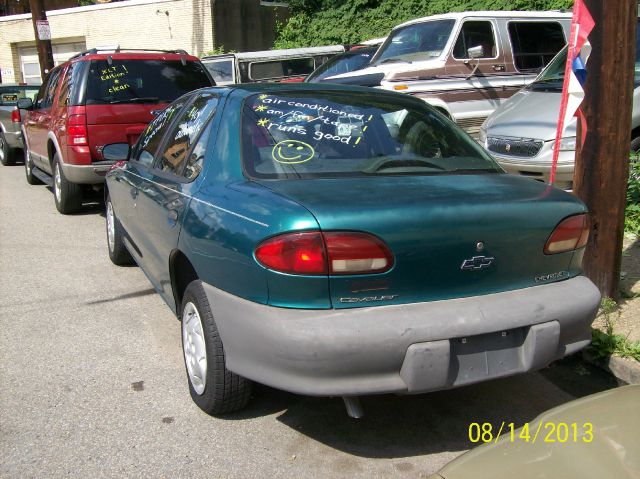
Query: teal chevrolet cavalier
point(341, 241)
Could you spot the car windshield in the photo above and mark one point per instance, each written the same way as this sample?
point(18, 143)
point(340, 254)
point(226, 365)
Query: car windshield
point(9, 95)
point(345, 63)
point(143, 81)
point(420, 41)
point(221, 70)
point(339, 134)
point(552, 77)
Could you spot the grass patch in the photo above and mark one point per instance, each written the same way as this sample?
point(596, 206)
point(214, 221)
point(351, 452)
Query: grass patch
point(606, 343)
point(632, 212)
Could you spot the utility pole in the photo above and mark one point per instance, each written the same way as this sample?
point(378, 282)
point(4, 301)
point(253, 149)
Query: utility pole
point(45, 53)
point(602, 164)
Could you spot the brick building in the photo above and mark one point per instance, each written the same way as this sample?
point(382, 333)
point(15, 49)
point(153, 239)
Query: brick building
point(240, 25)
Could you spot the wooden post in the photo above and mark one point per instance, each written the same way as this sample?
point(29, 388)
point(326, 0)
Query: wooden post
point(45, 53)
point(602, 164)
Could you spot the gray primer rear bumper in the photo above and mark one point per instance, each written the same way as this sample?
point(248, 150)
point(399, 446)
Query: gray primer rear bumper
point(406, 348)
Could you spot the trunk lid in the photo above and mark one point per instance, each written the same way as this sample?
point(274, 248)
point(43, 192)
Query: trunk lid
point(433, 224)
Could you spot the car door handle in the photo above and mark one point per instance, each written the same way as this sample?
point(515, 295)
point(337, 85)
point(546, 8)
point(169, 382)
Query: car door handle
point(172, 217)
point(175, 204)
point(498, 68)
point(133, 192)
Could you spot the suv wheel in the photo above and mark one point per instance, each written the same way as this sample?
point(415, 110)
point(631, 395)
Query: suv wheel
point(7, 157)
point(118, 253)
point(28, 168)
point(68, 196)
point(214, 388)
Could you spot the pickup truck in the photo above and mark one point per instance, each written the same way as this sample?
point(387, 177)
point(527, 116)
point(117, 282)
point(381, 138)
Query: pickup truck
point(10, 119)
point(465, 64)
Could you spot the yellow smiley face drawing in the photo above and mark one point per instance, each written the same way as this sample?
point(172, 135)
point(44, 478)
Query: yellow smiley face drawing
point(292, 152)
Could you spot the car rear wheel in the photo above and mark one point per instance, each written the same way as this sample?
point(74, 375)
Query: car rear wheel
point(118, 253)
point(28, 168)
point(214, 388)
point(68, 196)
point(7, 158)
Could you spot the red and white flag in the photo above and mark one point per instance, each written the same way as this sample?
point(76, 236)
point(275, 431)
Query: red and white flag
point(572, 93)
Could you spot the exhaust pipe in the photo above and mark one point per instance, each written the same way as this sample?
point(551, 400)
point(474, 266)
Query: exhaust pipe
point(354, 408)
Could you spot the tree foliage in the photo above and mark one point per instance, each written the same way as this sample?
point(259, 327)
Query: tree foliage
point(327, 22)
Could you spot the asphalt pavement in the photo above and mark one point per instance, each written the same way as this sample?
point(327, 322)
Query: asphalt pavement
point(92, 382)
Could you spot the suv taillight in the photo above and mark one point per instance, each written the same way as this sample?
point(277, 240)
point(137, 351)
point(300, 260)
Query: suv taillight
point(77, 130)
point(316, 253)
point(15, 116)
point(570, 234)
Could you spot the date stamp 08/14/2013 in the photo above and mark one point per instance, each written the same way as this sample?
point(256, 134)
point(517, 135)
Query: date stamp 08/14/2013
point(548, 432)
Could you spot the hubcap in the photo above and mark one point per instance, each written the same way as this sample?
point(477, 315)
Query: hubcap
point(194, 347)
point(1, 147)
point(111, 231)
point(57, 184)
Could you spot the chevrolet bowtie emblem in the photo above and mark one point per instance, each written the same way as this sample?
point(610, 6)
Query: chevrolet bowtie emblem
point(477, 262)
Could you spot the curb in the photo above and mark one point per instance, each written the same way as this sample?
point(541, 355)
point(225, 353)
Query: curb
point(626, 371)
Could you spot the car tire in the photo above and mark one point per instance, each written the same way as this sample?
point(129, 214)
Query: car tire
point(28, 168)
point(7, 157)
point(68, 196)
point(118, 252)
point(214, 388)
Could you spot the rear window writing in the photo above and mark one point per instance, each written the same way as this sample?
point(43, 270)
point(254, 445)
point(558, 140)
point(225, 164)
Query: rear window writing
point(142, 81)
point(334, 134)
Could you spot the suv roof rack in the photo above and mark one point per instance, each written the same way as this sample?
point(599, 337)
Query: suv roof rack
point(117, 49)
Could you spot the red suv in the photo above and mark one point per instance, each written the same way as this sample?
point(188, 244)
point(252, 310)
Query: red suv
point(94, 99)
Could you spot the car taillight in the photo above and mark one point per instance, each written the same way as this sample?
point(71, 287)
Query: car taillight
point(15, 116)
point(77, 130)
point(316, 253)
point(572, 233)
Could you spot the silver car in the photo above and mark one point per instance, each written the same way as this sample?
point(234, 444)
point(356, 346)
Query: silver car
point(520, 134)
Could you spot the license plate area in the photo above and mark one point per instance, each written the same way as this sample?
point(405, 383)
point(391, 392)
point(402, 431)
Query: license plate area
point(486, 355)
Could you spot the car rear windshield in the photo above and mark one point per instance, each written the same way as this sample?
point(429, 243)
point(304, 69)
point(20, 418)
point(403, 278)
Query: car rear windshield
point(9, 95)
point(142, 81)
point(337, 134)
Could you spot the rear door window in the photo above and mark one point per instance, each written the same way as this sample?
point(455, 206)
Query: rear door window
point(534, 44)
point(50, 92)
point(151, 138)
point(281, 68)
point(186, 130)
point(142, 81)
point(328, 135)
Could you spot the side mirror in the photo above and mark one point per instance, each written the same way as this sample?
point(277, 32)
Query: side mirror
point(116, 152)
point(25, 104)
point(475, 52)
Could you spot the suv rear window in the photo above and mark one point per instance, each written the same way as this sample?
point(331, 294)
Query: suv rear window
point(329, 135)
point(9, 95)
point(142, 81)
